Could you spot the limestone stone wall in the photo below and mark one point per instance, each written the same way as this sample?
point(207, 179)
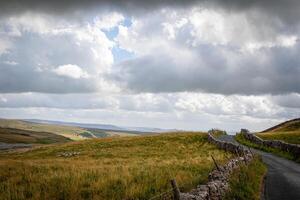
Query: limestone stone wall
point(218, 185)
point(291, 148)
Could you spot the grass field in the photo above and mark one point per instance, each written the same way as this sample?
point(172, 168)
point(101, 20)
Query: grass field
point(292, 137)
point(246, 182)
point(109, 168)
point(288, 131)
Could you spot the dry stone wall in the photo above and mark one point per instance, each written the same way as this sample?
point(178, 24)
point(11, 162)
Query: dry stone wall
point(291, 148)
point(218, 185)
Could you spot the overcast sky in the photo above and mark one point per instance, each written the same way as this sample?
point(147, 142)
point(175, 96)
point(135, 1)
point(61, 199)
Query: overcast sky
point(195, 65)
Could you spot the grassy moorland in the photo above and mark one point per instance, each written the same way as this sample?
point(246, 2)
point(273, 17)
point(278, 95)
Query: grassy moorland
point(288, 131)
point(109, 168)
point(10, 135)
point(71, 132)
point(292, 137)
point(247, 181)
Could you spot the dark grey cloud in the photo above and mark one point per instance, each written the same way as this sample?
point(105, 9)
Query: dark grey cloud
point(213, 72)
point(287, 10)
point(290, 101)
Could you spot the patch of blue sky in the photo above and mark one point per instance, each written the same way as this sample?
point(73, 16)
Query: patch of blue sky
point(113, 32)
point(119, 53)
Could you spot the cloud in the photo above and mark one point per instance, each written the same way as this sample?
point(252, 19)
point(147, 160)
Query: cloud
point(53, 57)
point(173, 110)
point(108, 21)
point(206, 55)
point(185, 64)
point(70, 70)
point(289, 101)
point(283, 10)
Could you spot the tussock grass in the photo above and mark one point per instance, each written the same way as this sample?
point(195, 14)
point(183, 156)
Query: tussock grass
point(246, 182)
point(109, 168)
point(292, 137)
point(288, 131)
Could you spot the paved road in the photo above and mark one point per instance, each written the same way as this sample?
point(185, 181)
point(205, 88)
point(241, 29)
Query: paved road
point(283, 176)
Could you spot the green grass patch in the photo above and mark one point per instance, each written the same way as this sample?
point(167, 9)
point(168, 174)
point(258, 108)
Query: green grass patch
point(98, 133)
point(246, 182)
point(217, 132)
point(241, 139)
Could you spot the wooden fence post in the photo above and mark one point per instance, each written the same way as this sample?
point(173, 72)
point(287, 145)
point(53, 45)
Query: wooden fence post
point(216, 163)
point(176, 191)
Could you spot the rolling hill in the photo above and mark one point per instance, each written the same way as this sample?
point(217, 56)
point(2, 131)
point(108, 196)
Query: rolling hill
point(290, 125)
point(288, 131)
point(65, 130)
point(107, 127)
point(11, 135)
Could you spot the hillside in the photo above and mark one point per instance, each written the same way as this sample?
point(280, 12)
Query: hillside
point(288, 131)
point(104, 127)
point(109, 168)
point(290, 125)
point(68, 131)
point(10, 135)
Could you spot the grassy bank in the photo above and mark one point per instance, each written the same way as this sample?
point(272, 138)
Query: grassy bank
point(244, 141)
point(292, 137)
point(217, 133)
point(246, 182)
point(109, 168)
point(288, 131)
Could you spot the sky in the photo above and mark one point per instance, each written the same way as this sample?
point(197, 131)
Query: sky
point(192, 65)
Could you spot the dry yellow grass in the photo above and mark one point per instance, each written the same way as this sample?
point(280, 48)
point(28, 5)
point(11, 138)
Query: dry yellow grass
point(288, 131)
point(110, 168)
point(292, 137)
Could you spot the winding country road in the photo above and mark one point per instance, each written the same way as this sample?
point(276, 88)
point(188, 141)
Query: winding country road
point(283, 176)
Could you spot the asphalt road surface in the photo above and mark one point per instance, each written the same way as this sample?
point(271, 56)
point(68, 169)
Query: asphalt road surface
point(283, 176)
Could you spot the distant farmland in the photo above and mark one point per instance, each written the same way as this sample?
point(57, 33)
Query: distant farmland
point(71, 132)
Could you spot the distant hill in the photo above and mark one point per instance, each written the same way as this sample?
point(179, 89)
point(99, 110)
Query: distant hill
point(26, 131)
point(96, 126)
point(138, 130)
point(11, 135)
point(73, 133)
point(288, 131)
point(290, 125)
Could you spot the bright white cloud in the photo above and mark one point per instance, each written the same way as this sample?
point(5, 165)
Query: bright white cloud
point(109, 20)
point(72, 71)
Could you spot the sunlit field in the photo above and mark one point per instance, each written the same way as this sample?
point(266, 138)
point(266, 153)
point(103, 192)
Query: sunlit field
point(109, 168)
point(292, 137)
